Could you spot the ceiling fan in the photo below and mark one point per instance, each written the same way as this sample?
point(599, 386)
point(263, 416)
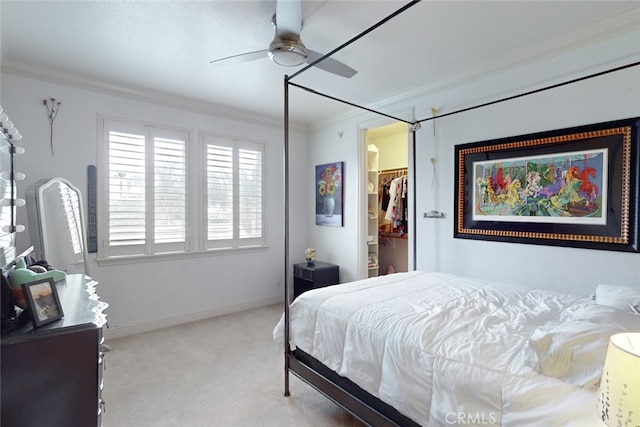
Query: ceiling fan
point(287, 48)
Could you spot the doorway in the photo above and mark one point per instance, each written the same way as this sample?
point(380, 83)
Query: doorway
point(388, 200)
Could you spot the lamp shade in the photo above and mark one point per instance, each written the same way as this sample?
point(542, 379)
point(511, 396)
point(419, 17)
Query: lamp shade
point(619, 394)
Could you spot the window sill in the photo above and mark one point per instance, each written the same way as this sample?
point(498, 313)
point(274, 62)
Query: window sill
point(137, 259)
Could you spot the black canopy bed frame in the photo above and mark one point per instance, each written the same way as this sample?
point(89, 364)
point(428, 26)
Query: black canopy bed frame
point(342, 391)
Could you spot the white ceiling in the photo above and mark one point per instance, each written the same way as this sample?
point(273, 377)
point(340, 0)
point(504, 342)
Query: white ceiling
point(162, 49)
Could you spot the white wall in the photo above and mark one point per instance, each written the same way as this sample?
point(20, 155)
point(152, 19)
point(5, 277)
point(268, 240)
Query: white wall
point(609, 97)
point(393, 146)
point(151, 294)
point(337, 245)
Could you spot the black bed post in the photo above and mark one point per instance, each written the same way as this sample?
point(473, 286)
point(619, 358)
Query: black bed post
point(286, 236)
point(414, 130)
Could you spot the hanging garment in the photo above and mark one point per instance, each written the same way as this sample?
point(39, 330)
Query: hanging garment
point(395, 192)
point(385, 190)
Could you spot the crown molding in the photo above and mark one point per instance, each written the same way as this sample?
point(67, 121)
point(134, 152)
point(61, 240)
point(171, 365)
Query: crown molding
point(65, 78)
point(606, 28)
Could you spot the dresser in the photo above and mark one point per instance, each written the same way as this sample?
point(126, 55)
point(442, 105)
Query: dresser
point(52, 375)
point(318, 275)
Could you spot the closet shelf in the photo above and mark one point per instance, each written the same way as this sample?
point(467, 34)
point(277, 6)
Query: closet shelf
point(373, 204)
point(393, 235)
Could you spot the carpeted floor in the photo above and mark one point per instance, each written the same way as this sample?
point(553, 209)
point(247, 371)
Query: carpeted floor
point(225, 371)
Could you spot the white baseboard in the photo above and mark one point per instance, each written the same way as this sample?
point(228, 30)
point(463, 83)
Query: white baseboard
point(138, 328)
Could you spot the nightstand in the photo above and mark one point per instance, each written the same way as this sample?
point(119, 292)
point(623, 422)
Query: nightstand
point(318, 275)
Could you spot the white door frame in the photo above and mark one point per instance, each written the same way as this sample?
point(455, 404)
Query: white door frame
point(362, 205)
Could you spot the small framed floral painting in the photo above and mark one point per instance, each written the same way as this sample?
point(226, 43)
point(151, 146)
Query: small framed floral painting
point(329, 192)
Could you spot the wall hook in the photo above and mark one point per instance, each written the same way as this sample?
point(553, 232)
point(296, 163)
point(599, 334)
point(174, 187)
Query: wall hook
point(52, 111)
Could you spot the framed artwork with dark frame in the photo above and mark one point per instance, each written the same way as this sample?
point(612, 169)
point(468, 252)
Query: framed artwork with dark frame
point(575, 187)
point(329, 194)
point(43, 302)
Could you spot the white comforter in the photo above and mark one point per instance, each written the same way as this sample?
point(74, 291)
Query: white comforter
point(447, 350)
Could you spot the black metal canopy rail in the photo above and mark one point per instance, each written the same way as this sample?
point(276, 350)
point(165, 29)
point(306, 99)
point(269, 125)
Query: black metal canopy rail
point(486, 104)
point(417, 122)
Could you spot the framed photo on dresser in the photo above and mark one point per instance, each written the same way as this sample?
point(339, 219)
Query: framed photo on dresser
point(43, 302)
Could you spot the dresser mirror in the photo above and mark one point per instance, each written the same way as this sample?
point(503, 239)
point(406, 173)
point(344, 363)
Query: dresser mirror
point(56, 224)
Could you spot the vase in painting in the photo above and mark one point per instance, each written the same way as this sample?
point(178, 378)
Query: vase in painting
point(329, 205)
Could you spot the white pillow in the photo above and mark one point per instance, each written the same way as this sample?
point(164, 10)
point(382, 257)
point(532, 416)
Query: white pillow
point(572, 352)
point(573, 349)
point(620, 297)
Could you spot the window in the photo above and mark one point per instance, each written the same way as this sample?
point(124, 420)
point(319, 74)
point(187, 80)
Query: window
point(152, 207)
point(234, 192)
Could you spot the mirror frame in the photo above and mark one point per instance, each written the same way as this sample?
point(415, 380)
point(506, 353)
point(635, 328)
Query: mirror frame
point(41, 227)
point(7, 211)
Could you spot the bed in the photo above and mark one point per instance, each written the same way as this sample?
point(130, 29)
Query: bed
point(435, 349)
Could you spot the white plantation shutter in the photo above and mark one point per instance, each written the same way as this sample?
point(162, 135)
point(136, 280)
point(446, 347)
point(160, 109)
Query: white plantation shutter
point(234, 183)
point(147, 189)
point(127, 191)
point(169, 187)
point(250, 194)
point(219, 190)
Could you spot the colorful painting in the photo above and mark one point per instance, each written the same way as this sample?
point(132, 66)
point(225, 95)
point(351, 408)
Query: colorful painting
point(563, 187)
point(329, 192)
point(573, 187)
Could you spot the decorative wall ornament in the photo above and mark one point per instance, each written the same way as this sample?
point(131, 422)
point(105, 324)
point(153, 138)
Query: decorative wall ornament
point(52, 111)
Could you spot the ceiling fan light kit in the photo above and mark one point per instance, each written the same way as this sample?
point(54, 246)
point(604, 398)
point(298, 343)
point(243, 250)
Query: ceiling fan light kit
point(287, 52)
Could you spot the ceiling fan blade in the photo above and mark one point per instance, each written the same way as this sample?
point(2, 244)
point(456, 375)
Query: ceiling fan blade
point(288, 17)
point(331, 65)
point(243, 57)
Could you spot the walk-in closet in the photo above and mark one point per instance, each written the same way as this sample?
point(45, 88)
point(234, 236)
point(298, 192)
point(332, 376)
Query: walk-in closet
point(387, 199)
